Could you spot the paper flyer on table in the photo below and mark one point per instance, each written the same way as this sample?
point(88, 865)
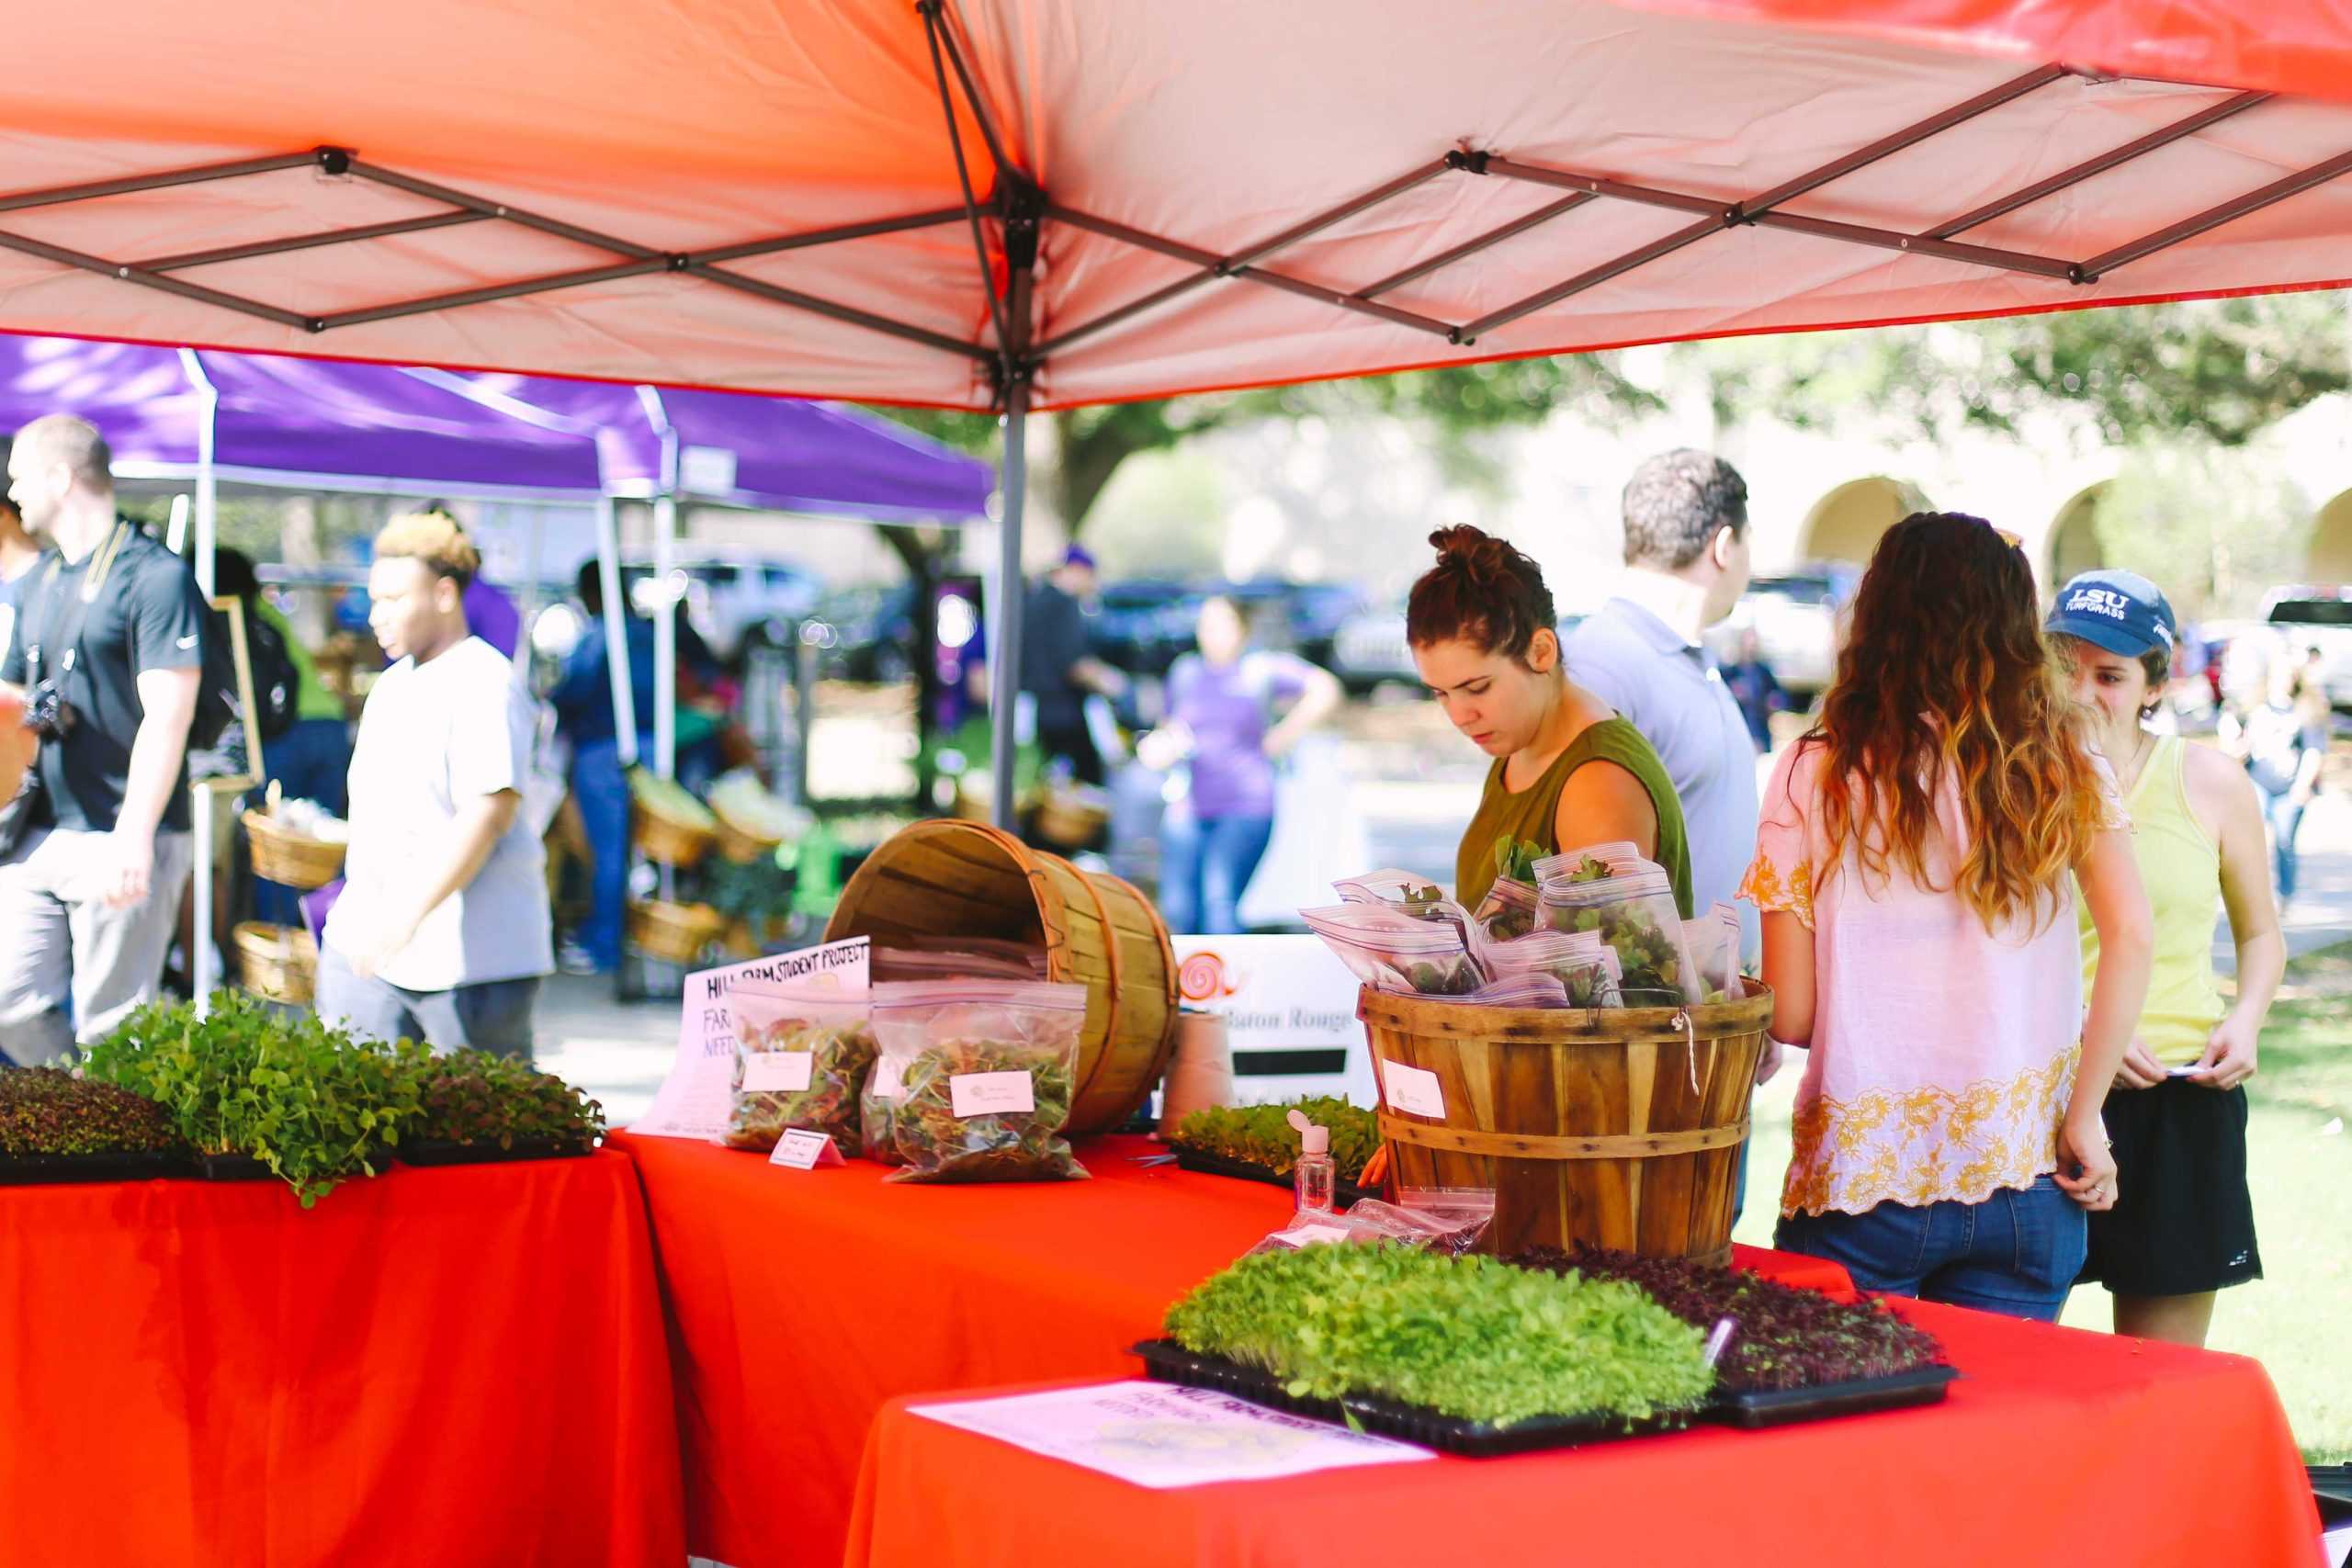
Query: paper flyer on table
point(695, 1099)
point(1160, 1436)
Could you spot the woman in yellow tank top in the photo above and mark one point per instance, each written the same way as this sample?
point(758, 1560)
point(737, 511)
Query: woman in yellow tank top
point(2183, 1226)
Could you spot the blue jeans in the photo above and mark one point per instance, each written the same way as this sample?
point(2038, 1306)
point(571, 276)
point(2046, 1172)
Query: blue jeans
point(602, 791)
point(2016, 1252)
point(310, 762)
point(1205, 863)
point(2286, 818)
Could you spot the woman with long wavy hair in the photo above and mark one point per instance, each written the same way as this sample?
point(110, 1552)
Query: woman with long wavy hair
point(1913, 866)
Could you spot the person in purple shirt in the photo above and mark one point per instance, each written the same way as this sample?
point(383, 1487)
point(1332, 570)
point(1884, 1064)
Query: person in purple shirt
point(1222, 725)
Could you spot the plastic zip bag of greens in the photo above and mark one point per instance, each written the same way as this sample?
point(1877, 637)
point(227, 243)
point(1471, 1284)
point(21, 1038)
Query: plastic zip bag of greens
point(1635, 915)
point(1508, 912)
point(1580, 963)
point(799, 1064)
point(1714, 939)
point(1618, 857)
point(1390, 951)
point(1528, 990)
point(1407, 895)
point(1453, 1229)
point(990, 1068)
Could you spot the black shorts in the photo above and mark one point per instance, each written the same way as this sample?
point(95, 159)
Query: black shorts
point(2184, 1222)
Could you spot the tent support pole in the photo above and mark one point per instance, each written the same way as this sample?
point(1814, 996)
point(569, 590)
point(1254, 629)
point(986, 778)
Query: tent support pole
point(1005, 666)
point(616, 629)
point(666, 638)
point(202, 959)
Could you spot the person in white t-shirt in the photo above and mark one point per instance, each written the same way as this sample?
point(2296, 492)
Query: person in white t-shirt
point(442, 932)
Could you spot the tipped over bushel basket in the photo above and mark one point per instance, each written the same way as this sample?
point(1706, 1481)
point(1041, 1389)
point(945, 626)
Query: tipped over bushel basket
point(1586, 1121)
point(948, 878)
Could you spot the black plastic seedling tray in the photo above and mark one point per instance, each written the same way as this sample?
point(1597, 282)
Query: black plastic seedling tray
point(44, 1171)
point(1784, 1406)
point(1170, 1363)
point(446, 1151)
point(1209, 1164)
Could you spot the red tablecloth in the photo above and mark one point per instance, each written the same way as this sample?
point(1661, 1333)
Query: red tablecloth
point(456, 1367)
point(802, 1301)
point(2059, 1448)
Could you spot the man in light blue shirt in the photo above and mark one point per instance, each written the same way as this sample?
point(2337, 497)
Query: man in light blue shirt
point(1686, 565)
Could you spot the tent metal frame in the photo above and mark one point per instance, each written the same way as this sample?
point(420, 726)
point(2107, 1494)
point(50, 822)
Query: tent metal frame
point(1005, 346)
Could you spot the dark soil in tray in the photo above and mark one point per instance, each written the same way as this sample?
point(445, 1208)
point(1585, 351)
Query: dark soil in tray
point(38, 1170)
point(1207, 1164)
point(1170, 1363)
point(1782, 1407)
point(444, 1150)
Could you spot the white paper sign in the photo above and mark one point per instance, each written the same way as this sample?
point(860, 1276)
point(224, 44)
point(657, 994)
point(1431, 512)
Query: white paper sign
point(1310, 1235)
point(778, 1071)
point(1158, 1436)
point(697, 1098)
point(1289, 1007)
point(981, 1094)
point(1413, 1090)
point(798, 1150)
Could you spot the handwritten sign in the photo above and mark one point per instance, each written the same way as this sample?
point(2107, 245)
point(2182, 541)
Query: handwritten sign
point(982, 1094)
point(798, 1150)
point(1413, 1090)
point(694, 1101)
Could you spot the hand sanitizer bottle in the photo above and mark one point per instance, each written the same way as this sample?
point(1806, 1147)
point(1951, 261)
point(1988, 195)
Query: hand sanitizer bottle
point(1315, 1176)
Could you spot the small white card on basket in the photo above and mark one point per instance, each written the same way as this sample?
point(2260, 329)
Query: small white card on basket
point(778, 1071)
point(798, 1150)
point(980, 1094)
point(1413, 1090)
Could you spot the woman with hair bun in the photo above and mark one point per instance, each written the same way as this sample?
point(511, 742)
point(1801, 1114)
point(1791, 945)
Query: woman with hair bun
point(1568, 771)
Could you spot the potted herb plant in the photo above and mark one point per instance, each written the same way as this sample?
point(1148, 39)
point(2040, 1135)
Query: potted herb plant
point(473, 1108)
point(60, 1126)
point(256, 1093)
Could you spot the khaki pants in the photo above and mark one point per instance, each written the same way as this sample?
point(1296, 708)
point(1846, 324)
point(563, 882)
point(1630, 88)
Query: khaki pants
point(59, 941)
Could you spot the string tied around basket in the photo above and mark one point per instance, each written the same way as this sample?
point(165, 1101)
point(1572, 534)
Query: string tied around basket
point(1690, 1041)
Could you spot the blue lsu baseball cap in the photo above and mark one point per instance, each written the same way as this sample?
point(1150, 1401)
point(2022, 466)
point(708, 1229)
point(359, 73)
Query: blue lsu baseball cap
point(2118, 611)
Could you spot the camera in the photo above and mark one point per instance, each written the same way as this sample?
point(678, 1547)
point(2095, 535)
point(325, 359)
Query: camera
point(48, 714)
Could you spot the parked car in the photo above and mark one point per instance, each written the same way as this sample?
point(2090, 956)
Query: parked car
point(1369, 650)
point(1141, 624)
point(733, 601)
point(1304, 618)
point(2318, 619)
point(1794, 616)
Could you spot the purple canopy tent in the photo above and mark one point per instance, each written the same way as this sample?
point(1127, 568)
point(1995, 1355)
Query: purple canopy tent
point(668, 444)
point(200, 416)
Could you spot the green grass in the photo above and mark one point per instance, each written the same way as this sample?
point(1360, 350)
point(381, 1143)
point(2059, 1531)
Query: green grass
point(2292, 1320)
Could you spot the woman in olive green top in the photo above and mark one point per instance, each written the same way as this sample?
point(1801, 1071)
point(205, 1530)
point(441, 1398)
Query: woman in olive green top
point(1568, 771)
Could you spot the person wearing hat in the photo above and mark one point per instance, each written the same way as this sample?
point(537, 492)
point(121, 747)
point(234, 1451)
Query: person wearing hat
point(2182, 1227)
point(1059, 669)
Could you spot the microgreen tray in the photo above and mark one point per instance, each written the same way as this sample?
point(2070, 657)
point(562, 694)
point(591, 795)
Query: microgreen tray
point(1167, 1361)
point(1209, 1164)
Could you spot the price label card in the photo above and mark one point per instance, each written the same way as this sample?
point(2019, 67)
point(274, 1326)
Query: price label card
point(798, 1150)
point(781, 1072)
point(980, 1094)
point(1413, 1090)
point(1310, 1235)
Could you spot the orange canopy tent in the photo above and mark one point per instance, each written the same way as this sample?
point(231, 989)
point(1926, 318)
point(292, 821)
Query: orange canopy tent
point(805, 196)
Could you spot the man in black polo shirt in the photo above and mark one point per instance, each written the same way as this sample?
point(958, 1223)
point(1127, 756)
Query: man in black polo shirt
point(90, 893)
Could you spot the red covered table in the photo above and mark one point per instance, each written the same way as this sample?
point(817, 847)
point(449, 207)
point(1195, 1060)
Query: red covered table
point(449, 1366)
point(802, 1301)
point(2057, 1447)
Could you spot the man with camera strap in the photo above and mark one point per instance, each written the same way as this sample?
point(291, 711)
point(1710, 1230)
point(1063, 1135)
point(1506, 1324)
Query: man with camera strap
point(109, 644)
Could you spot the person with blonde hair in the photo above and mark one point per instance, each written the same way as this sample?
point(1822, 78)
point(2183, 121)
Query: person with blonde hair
point(442, 932)
point(1915, 863)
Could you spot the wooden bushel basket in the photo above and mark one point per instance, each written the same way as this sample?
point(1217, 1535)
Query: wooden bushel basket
point(280, 962)
point(1617, 1127)
point(946, 878)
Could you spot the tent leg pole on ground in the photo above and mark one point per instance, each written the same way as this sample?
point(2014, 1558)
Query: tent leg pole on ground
point(202, 960)
point(665, 638)
point(1004, 673)
point(608, 578)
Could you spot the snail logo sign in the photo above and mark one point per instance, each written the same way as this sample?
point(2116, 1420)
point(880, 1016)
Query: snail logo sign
point(694, 1101)
point(1289, 1008)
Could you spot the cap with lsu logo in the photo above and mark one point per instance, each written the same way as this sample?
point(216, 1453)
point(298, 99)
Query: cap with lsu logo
point(2119, 611)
